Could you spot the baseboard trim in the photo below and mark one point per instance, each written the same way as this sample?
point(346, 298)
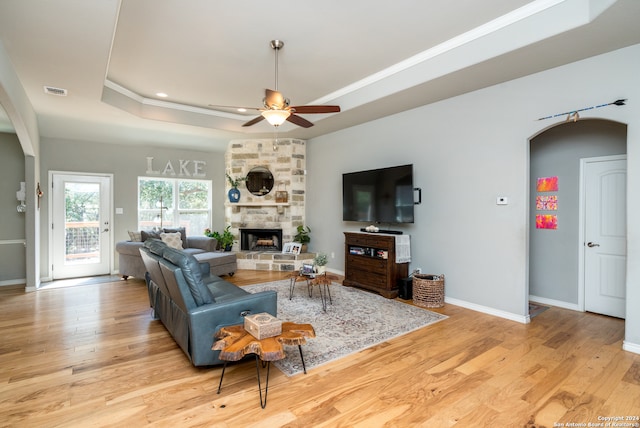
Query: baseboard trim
point(523, 319)
point(13, 282)
point(631, 347)
point(556, 303)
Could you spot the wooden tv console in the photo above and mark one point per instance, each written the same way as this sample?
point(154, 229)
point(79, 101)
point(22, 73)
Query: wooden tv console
point(370, 263)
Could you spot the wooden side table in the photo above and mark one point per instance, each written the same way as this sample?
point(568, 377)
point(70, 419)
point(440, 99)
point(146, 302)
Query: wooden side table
point(234, 343)
point(322, 281)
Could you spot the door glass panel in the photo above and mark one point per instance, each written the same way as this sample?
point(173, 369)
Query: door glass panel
point(82, 223)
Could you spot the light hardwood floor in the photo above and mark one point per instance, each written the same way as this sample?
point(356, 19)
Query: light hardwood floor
point(92, 356)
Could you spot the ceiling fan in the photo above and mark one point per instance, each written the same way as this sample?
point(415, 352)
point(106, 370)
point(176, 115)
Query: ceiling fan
point(276, 107)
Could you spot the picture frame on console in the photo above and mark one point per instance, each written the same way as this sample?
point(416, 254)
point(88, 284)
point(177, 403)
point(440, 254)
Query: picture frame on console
point(291, 248)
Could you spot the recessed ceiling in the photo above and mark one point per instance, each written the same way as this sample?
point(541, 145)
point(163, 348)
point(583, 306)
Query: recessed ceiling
point(373, 58)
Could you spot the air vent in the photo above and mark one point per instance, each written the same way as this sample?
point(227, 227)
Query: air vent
point(55, 91)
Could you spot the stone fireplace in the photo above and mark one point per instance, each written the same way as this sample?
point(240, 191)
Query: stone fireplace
point(286, 160)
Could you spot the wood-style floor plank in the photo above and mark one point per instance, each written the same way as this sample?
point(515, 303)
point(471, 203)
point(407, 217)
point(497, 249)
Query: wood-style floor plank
point(92, 355)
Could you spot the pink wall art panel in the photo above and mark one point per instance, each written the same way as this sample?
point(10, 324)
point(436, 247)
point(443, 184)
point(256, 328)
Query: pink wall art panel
point(546, 203)
point(547, 184)
point(546, 221)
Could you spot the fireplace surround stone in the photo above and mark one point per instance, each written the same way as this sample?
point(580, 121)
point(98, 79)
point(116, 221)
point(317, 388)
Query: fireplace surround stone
point(286, 160)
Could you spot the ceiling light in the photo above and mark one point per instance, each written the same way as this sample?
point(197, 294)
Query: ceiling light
point(242, 109)
point(276, 117)
point(161, 95)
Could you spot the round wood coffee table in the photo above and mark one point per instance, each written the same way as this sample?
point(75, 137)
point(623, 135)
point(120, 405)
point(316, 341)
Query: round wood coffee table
point(234, 343)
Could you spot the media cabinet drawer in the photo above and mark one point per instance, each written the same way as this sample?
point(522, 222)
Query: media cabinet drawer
point(369, 241)
point(368, 278)
point(365, 263)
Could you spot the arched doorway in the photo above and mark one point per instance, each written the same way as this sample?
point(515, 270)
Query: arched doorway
point(554, 253)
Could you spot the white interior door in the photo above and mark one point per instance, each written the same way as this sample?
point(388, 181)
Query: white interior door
point(81, 226)
point(605, 243)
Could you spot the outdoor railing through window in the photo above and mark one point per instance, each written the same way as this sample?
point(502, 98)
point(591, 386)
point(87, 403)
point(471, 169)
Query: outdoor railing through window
point(82, 240)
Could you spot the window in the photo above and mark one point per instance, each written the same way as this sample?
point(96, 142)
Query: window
point(170, 202)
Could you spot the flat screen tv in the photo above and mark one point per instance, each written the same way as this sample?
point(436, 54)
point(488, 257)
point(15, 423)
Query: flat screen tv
point(382, 195)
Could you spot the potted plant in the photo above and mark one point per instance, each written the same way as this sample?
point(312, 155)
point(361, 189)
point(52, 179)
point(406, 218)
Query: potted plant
point(320, 262)
point(302, 236)
point(225, 239)
point(234, 193)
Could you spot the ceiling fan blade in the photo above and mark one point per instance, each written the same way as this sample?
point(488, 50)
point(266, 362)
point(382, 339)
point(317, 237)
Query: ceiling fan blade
point(300, 121)
point(274, 99)
point(254, 120)
point(215, 106)
point(316, 109)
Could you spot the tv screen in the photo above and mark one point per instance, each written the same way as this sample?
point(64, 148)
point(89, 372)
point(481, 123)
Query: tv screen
point(382, 195)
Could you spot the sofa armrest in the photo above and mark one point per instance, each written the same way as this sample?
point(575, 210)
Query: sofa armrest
point(233, 310)
point(131, 248)
point(206, 320)
point(202, 242)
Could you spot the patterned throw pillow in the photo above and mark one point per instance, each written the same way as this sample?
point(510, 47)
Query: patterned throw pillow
point(135, 236)
point(183, 233)
point(172, 240)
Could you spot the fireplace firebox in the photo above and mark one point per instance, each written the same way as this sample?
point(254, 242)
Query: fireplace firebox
point(261, 239)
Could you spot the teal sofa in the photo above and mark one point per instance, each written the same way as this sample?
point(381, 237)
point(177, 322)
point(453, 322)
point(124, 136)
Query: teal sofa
point(194, 304)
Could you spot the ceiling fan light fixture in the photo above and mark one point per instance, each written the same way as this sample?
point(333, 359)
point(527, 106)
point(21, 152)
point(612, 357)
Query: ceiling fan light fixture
point(276, 117)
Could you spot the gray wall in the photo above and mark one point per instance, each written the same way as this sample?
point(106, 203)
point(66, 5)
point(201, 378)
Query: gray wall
point(126, 163)
point(12, 224)
point(553, 256)
point(466, 152)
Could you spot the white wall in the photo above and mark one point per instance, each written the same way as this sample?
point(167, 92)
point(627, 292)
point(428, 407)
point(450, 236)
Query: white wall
point(467, 151)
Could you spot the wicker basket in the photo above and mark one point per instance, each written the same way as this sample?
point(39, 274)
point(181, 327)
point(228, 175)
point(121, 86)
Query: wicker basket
point(428, 290)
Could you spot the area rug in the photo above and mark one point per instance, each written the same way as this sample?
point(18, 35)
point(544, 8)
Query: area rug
point(355, 321)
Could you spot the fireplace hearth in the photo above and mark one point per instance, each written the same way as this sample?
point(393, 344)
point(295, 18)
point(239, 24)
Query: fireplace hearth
point(261, 240)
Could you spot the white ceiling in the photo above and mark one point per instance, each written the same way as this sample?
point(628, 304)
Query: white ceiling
point(373, 58)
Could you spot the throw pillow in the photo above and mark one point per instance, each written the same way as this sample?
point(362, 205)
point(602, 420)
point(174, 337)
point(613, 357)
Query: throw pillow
point(172, 240)
point(135, 236)
point(148, 234)
point(183, 233)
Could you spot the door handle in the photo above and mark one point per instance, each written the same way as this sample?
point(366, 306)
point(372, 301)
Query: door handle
point(591, 245)
point(105, 230)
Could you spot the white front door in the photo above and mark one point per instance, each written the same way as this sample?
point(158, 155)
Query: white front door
point(81, 226)
point(605, 232)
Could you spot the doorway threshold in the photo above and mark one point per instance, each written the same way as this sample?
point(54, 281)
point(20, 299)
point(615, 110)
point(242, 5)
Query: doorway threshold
point(73, 282)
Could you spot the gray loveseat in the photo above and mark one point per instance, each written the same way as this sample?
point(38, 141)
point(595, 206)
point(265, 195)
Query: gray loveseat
point(193, 304)
point(220, 263)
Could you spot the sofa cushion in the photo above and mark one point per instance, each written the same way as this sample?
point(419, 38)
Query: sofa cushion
point(172, 240)
point(192, 274)
point(222, 290)
point(181, 230)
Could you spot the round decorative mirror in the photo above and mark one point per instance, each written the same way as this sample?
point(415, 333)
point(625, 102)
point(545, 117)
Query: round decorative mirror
point(260, 181)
